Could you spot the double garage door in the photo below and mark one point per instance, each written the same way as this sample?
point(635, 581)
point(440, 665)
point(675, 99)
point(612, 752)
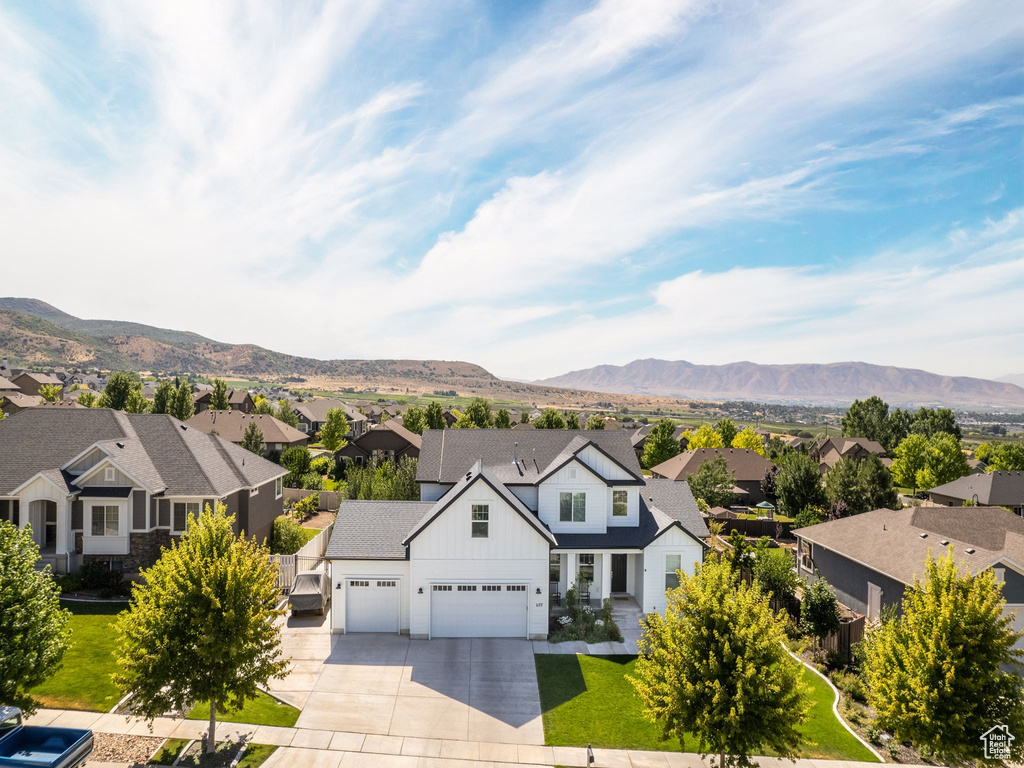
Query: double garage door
point(478, 610)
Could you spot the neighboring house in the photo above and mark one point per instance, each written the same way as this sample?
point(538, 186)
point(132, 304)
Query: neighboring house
point(231, 425)
point(997, 489)
point(977, 467)
point(89, 381)
point(508, 520)
point(16, 402)
point(7, 386)
point(450, 418)
point(748, 468)
point(639, 438)
point(390, 440)
point(794, 441)
point(30, 382)
point(832, 450)
point(238, 400)
point(871, 558)
point(312, 415)
point(99, 485)
point(66, 403)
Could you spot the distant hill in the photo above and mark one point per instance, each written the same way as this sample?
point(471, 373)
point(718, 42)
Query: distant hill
point(799, 383)
point(1013, 378)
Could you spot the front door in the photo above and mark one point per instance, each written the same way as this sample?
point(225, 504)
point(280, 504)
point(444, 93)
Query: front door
point(618, 573)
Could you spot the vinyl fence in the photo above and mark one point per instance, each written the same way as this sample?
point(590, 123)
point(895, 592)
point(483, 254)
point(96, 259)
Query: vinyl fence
point(328, 499)
point(309, 558)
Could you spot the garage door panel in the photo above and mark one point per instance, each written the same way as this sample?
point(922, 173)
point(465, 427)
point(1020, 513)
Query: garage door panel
point(372, 605)
point(478, 610)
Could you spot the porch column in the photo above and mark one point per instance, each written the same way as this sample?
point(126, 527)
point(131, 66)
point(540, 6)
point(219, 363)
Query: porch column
point(606, 575)
point(63, 524)
point(570, 569)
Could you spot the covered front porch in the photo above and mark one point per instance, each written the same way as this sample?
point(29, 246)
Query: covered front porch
point(599, 574)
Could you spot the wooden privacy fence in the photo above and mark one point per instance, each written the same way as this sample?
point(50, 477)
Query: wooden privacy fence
point(309, 558)
point(755, 529)
point(328, 499)
point(850, 631)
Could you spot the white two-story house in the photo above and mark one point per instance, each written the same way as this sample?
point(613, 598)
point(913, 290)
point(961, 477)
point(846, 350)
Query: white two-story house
point(508, 520)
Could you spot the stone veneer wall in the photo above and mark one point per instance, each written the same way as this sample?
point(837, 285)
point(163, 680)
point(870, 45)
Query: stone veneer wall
point(144, 549)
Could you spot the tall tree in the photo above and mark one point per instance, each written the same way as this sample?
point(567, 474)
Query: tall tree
point(435, 415)
point(415, 420)
point(50, 392)
point(209, 592)
point(503, 419)
point(945, 462)
point(932, 421)
point(945, 670)
point(477, 415)
point(296, 460)
point(713, 482)
point(715, 666)
point(252, 439)
point(136, 402)
point(594, 421)
point(706, 436)
point(844, 484)
point(876, 479)
point(748, 439)
point(163, 398)
point(773, 570)
point(549, 419)
point(660, 444)
point(284, 412)
point(262, 405)
point(819, 610)
point(524, 417)
point(897, 427)
point(184, 404)
point(88, 399)
point(910, 458)
point(219, 396)
point(1006, 457)
point(33, 626)
point(728, 430)
point(868, 418)
point(572, 421)
point(332, 433)
point(798, 484)
point(120, 385)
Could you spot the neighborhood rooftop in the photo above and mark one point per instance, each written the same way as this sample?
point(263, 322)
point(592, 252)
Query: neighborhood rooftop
point(999, 488)
point(231, 425)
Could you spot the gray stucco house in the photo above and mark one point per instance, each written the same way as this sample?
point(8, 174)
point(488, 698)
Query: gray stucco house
point(871, 558)
point(102, 485)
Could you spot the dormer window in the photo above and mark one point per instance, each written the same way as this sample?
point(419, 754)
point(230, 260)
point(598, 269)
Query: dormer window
point(620, 504)
point(572, 507)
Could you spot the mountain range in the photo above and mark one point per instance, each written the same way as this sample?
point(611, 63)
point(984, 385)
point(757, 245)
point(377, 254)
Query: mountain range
point(798, 383)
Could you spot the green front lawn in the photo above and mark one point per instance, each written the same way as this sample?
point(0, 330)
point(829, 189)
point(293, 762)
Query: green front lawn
point(588, 700)
point(263, 710)
point(83, 681)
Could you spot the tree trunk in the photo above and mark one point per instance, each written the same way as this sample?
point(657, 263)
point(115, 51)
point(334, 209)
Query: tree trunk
point(211, 739)
point(721, 760)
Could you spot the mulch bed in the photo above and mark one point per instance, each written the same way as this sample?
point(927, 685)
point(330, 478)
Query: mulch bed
point(320, 520)
point(121, 748)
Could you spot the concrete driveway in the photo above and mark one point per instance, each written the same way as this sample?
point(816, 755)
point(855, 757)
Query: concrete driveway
point(469, 689)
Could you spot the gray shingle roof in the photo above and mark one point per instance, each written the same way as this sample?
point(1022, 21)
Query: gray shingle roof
point(998, 488)
point(158, 450)
point(891, 542)
point(675, 500)
point(446, 455)
point(374, 530)
point(316, 410)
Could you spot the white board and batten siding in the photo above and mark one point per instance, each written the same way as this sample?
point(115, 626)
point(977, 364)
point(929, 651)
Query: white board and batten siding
point(672, 542)
point(576, 477)
point(371, 606)
point(445, 553)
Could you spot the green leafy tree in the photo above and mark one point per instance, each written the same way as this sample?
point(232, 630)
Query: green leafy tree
point(945, 670)
point(898, 426)
point(572, 421)
point(415, 420)
point(876, 480)
point(503, 419)
point(798, 484)
point(33, 627)
point(660, 444)
point(219, 396)
point(773, 570)
point(946, 461)
point(728, 430)
point(50, 392)
point(332, 433)
point(844, 484)
point(202, 625)
point(477, 415)
point(252, 439)
point(868, 418)
point(88, 399)
point(163, 398)
point(810, 515)
point(819, 610)
point(137, 402)
point(262, 405)
point(933, 421)
point(714, 666)
point(284, 412)
point(184, 404)
point(594, 421)
point(705, 437)
point(748, 439)
point(297, 460)
point(287, 536)
point(524, 417)
point(713, 482)
point(388, 480)
point(909, 459)
point(120, 385)
point(435, 416)
point(549, 419)
point(1007, 457)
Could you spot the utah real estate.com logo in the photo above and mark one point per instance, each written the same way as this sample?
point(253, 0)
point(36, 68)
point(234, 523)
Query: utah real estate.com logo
point(997, 742)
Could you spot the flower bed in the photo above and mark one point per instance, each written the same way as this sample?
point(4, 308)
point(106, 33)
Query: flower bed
point(581, 622)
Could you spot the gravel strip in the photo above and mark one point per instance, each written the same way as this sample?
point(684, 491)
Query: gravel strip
point(122, 748)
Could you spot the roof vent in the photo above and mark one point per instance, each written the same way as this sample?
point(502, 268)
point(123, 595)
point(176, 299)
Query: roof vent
point(944, 542)
point(119, 445)
point(924, 535)
point(969, 550)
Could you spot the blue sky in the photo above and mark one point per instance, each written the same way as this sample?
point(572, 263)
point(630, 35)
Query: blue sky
point(535, 187)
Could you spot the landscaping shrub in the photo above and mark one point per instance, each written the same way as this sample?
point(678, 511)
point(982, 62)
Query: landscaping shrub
point(322, 465)
point(311, 481)
point(307, 506)
point(100, 577)
point(582, 623)
point(894, 748)
point(851, 684)
point(287, 536)
point(874, 735)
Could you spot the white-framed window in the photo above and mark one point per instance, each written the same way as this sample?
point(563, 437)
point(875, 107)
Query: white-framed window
point(672, 565)
point(586, 567)
point(572, 507)
point(106, 519)
point(481, 521)
point(180, 511)
point(278, 487)
point(620, 503)
point(555, 568)
point(255, 491)
point(303, 427)
point(805, 556)
point(109, 475)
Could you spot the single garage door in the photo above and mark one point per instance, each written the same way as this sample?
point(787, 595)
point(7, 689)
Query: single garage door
point(372, 605)
point(478, 610)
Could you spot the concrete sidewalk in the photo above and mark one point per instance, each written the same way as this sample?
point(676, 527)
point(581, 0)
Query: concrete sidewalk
point(312, 748)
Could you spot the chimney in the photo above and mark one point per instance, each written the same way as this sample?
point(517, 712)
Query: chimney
point(515, 453)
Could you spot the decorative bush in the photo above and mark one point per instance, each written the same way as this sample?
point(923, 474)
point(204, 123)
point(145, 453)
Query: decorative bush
point(307, 506)
point(582, 623)
point(287, 537)
point(322, 465)
point(851, 684)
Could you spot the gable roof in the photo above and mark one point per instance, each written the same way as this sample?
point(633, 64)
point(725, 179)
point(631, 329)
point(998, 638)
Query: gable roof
point(675, 500)
point(231, 425)
point(891, 542)
point(446, 454)
point(374, 530)
point(478, 474)
point(165, 455)
point(40, 378)
point(21, 400)
point(395, 426)
point(996, 488)
point(7, 385)
point(572, 451)
point(316, 409)
point(747, 465)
